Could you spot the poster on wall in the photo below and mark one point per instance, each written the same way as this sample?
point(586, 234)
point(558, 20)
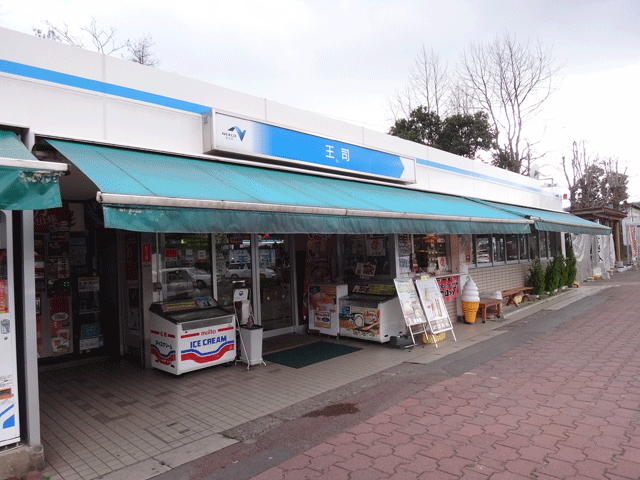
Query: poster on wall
point(60, 325)
point(434, 307)
point(409, 302)
point(449, 287)
point(376, 247)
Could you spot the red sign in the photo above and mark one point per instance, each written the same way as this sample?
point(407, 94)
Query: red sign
point(146, 252)
point(170, 253)
point(3, 297)
point(448, 287)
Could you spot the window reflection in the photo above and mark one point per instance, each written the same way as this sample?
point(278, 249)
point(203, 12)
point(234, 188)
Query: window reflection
point(185, 266)
point(511, 244)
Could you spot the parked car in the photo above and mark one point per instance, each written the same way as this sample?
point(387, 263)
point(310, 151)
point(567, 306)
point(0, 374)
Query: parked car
point(243, 270)
point(201, 277)
point(177, 283)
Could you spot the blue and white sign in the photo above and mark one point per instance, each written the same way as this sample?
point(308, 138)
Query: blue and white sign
point(247, 136)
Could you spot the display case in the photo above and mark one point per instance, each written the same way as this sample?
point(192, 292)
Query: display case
point(324, 308)
point(371, 312)
point(191, 334)
point(431, 252)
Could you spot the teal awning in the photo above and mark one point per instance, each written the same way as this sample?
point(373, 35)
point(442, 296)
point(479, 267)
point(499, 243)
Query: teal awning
point(26, 183)
point(550, 221)
point(152, 192)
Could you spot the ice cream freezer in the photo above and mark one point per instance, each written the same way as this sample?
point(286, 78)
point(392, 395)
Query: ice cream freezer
point(324, 308)
point(371, 312)
point(191, 334)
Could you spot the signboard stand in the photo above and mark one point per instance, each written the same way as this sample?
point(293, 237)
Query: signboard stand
point(424, 308)
point(434, 307)
point(412, 310)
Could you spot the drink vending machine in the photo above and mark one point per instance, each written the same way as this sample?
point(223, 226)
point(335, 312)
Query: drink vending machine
point(9, 418)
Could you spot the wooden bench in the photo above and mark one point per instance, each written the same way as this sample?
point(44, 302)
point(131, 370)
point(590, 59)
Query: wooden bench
point(489, 302)
point(511, 293)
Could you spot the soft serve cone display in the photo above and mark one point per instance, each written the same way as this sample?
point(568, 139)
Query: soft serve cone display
point(470, 300)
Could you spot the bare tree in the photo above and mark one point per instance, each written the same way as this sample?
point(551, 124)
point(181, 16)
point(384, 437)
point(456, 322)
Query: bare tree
point(140, 51)
point(594, 182)
point(614, 183)
point(429, 79)
point(510, 81)
point(429, 87)
point(102, 40)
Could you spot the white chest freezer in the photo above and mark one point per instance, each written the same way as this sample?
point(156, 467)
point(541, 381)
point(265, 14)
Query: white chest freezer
point(190, 335)
point(372, 312)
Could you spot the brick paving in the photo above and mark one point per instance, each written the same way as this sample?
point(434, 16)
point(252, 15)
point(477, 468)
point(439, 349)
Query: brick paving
point(562, 406)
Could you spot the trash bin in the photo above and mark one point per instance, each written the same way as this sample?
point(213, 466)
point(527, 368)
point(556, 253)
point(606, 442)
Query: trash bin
point(251, 344)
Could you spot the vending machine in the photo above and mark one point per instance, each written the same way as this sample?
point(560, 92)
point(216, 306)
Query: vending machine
point(9, 418)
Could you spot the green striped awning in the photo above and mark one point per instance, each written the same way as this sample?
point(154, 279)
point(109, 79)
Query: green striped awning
point(551, 221)
point(153, 192)
point(26, 183)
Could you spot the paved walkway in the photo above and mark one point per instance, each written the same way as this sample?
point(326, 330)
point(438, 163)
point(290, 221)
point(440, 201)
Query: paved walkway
point(562, 406)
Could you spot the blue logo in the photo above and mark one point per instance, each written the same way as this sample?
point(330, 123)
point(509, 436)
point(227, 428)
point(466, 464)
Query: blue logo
point(240, 133)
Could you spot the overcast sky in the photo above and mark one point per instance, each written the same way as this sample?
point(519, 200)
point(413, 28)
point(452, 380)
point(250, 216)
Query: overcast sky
point(345, 59)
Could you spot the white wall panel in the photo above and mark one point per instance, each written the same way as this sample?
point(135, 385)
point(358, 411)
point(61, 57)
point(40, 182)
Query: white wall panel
point(51, 109)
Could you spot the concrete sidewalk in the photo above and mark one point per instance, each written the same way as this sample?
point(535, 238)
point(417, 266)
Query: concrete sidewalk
point(563, 405)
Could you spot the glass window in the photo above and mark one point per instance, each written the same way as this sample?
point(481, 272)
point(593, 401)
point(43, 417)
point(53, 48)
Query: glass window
point(498, 248)
point(369, 250)
point(431, 252)
point(233, 265)
point(524, 247)
point(483, 250)
point(544, 244)
point(511, 246)
point(533, 246)
point(185, 266)
point(275, 281)
point(554, 244)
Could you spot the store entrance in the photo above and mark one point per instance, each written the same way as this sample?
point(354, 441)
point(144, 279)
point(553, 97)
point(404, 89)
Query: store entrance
point(276, 305)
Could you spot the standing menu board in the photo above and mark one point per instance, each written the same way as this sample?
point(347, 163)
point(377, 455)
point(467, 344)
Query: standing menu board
point(409, 302)
point(434, 307)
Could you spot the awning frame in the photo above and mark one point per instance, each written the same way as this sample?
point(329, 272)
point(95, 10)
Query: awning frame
point(148, 201)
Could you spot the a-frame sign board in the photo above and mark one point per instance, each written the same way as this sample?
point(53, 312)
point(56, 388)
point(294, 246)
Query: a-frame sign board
point(412, 310)
point(434, 307)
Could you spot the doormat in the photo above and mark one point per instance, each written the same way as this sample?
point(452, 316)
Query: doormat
point(306, 355)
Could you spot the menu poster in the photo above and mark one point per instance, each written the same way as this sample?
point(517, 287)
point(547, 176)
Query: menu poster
point(434, 306)
point(60, 325)
point(409, 302)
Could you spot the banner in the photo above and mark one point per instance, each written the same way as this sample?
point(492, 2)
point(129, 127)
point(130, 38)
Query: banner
point(632, 241)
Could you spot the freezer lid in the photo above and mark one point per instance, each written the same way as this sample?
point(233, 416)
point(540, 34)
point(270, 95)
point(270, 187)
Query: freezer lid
point(201, 308)
point(207, 322)
point(365, 298)
point(200, 315)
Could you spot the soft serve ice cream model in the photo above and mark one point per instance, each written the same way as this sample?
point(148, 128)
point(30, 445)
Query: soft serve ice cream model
point(470, 300)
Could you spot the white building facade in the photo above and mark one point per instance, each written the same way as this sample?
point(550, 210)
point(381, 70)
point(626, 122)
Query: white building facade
point(171, 188)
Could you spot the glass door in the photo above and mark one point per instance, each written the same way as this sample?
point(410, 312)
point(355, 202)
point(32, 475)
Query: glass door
point(276, 288)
